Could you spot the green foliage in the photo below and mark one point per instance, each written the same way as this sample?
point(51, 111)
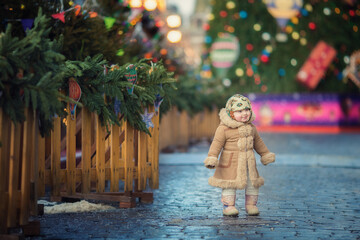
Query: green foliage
point(100, 90)
point(36, 66)
point(31, 74)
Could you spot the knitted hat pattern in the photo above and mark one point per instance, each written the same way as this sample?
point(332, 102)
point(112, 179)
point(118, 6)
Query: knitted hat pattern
point(237, 103)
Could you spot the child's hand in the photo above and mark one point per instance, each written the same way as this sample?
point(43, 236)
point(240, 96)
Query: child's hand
point(211, 162)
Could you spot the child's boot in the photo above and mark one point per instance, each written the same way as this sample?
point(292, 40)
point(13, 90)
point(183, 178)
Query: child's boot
point(250, 205)
point(229, 205)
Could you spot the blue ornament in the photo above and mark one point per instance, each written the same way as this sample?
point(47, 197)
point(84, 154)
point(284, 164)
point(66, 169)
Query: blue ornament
point(146, 117)
point(264, 52)
point(281, 72)
point(304, 12)
point(255, 60)
point(243, 14)
point(208, 39)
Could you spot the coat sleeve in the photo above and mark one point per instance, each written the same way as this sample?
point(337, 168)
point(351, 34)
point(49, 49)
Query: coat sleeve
point(260, 147)
point(215, 148)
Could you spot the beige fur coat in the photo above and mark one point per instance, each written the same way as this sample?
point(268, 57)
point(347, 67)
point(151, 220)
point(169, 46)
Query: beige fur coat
point(236, 141)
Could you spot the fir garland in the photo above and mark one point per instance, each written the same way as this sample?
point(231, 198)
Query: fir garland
point(99, 90)
point(31, 74)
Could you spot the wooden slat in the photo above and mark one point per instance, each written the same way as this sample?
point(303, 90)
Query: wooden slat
point(115, 158)
point(4, 168)
point(15, 145)
point(27, 157)
point(142, 161)
point(34, 172)
point(153, 150)
point(100, 156)
point(183, 126)
point(128, 156)
point(86, 150)
point(41, 163)
point(55, 157)
point(70, 152)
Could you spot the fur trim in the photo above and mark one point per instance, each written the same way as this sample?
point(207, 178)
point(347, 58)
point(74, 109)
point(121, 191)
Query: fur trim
point(258, 182)
point(268, 158)
point(220, 183)
point(231, 123)
point(211, 161)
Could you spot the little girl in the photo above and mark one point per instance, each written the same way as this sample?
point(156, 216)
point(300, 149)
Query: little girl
point(237, 137)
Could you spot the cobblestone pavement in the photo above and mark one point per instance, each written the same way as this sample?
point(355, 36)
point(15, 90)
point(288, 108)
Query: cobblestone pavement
point(296, 202)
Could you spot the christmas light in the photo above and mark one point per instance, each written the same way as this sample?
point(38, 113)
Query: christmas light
point(327, 11)
point(174, 21)
point(269, 48)
point(223, 14)
point(230, 5)
point(257, 27)
point(150, 5)
point(239, 72)
point(266, 36)
point(210, 17)
point(312, 26)
point(303, 41)
point(174, 36)
point(249, 47)
point(135, 3)
point(308, 7)
point(295, 20)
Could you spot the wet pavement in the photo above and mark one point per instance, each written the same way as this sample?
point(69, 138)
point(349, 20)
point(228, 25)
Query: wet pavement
point(300, 200)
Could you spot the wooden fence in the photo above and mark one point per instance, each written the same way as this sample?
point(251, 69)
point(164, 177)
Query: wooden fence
point(178, 129)
point(111, 166)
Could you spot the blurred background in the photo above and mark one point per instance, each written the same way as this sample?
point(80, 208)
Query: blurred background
point(297, 60)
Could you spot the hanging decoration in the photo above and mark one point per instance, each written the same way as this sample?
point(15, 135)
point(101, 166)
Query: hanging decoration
point(224, 52)
point(131, 77)
point(109, 22)
point(315, 66)
point(283, 10)
point(353, 70)
point(60, 16)
point(157, 103)
point(27, 23)
point(146, 118)
point(75, 94)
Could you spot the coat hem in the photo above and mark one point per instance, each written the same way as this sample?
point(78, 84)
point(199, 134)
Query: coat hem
point(234, 184)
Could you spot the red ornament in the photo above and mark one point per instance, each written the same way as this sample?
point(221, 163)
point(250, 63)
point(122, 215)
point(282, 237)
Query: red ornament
point(206, 27)
point(312, 25)
point(249, 47)
point(223, 14)
point(352, 13)
point(264, 58)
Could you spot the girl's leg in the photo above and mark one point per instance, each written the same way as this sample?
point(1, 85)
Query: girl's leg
point(251, 198)
point(228, 197)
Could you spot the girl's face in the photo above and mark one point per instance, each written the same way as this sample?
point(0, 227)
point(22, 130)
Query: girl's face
point(242, 115)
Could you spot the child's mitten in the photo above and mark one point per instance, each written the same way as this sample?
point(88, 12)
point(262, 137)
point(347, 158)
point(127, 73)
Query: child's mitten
point(211, 162)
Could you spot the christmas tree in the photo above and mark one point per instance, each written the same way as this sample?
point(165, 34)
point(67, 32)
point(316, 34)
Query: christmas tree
point(260, 46)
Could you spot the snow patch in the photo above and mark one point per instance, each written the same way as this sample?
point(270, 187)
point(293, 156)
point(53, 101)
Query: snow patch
point(82, 206)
